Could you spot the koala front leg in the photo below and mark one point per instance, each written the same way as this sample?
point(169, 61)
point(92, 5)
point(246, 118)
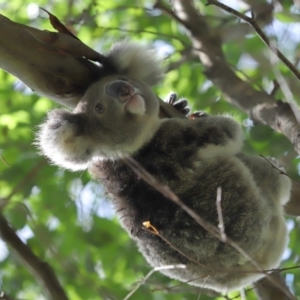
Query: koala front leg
point(218, 135)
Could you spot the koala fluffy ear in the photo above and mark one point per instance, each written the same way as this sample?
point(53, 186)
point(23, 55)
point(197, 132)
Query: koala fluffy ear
point(137, 61)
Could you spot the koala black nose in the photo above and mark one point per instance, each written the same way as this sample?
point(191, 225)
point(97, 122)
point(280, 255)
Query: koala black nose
point(120, 90)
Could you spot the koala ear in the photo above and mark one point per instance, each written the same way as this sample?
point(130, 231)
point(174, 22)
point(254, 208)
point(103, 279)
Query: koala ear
point(136, 105)
point(137, 61)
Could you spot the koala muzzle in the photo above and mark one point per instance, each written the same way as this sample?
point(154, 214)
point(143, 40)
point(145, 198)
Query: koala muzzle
point(120, 90)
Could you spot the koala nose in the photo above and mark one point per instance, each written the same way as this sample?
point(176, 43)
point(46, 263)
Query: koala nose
point(120, 90)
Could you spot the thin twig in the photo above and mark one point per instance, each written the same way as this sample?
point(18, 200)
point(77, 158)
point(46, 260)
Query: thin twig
point(150, 273)
point(279, 77)
point(3, 160)
point(274, 166)
point(156, 33)
point(220, 215)
point(152, 229)
point(25, 180)
point(251, 21)
point(159, 4)
point(275, 88)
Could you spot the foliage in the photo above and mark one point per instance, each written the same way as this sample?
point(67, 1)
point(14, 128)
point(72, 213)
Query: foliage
point(65, 217)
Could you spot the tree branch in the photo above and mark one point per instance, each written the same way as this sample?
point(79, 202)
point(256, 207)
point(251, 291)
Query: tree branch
point(251, 21)
point(52, 64)
point(41, 270)
point(260, 106)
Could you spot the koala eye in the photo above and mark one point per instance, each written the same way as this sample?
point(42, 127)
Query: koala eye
point(99, 108)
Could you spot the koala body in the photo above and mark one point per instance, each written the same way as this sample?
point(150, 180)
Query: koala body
point(117, 117)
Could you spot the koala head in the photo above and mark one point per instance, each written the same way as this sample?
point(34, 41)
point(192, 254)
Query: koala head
point(116, 116)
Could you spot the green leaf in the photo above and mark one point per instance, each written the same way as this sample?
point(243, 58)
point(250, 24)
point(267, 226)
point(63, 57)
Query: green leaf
point(286, 17)
point(17, 214)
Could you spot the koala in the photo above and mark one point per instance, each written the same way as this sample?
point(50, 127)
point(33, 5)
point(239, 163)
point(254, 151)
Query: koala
point(118, 117)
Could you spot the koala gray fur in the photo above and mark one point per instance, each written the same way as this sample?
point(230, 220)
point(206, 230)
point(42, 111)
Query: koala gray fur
point(118, 117)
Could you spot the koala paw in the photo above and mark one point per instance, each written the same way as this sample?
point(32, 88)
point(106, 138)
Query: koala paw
point(181, 105)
